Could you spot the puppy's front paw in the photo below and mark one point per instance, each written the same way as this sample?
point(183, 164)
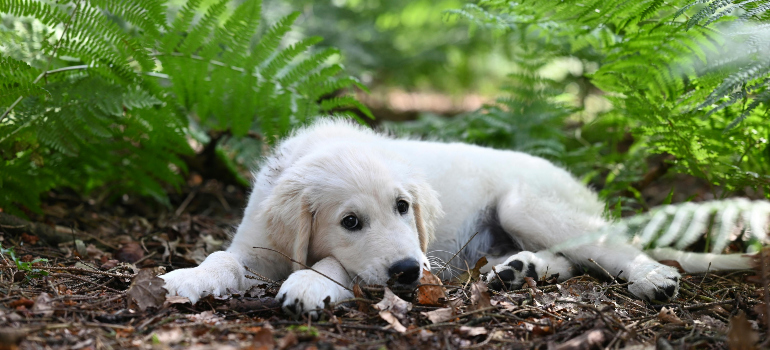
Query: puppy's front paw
point(218, 273)
point(304, 293)
point(654, 281)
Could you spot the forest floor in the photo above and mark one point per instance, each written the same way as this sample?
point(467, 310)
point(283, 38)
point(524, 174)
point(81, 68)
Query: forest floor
point(98, 289)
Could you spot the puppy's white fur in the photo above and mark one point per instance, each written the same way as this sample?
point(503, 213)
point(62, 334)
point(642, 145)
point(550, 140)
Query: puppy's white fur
point(333, 168)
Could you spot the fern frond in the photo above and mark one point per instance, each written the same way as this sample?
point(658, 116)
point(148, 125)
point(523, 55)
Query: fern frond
point(270, 41)
point(680, 225)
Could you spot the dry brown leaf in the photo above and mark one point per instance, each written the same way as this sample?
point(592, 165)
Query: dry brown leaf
point(430, 295)
point(392, 321)
point(147, 290)
point(130, 252)
point(740, 335)
point(358, 293)
point(474, 273)
point(263, 339)
point(393, 310)
point(480, 296)
point(532, 284)
point(42, 305)
point(176, 299)
point(667, 315)
point(440, 315)
point(589, 340)
point(288, 341)
point(391, 302)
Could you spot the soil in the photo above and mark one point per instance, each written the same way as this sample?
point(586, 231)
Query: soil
point(97, 289)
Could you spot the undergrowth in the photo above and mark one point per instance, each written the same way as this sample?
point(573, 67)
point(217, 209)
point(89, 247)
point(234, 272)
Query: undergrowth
point(110, 95)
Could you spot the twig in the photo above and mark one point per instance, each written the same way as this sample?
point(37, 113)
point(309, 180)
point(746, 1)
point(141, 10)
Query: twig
point(305, 266)
point(259, 276)
point(765, 282)
point(453, 256)
point(69, 275)
point(602, 268)
point(186, 202)
point(62, 268)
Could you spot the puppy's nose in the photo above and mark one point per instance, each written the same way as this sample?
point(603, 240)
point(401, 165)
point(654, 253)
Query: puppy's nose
point(406, 271)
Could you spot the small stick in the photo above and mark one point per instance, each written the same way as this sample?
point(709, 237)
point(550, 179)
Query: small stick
point(602, 268)
point(260, 277)
point(98, 272)
point(305, 266)
point(458, 252)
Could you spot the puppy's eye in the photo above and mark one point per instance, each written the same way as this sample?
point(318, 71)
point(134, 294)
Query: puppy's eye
point(402, 206)
point(351, 223)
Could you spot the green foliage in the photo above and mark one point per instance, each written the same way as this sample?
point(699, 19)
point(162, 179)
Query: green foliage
point(103, 94)
point(688, 80)
point(30, 272)
point(720, 222)
point(409, 44)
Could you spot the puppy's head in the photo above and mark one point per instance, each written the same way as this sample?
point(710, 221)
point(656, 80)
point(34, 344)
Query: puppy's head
point(362, 206)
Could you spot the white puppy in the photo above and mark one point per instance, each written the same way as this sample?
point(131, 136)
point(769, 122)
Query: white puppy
point(362, 207)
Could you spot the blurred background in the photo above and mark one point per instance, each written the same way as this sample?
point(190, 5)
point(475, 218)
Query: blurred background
point(649, 103)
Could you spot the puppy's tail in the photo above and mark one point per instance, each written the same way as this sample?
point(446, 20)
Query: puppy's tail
point(701, 262)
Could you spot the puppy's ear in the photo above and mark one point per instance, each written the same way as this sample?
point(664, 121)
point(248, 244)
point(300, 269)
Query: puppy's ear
point(288, 220)
point(427, 212)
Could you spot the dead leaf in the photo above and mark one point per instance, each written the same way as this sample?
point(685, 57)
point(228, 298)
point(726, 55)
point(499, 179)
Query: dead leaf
point(740, 335)
point(391, 302)
point(667, 315)
point(472, 331)
point(147, 290)
point(42, 305)
point(532, 284)
point(392, 321)
point(263, 339)
point(29, 239)
point(176, 299)
point(440, 315)
point(432, 295)
point(589, 340)
point(473, 274)
point(93, 252)
point(393, 310)
point(480, 296)
point(109, 264)
point(27, 303)
point(129, 252)
point(169, 245)
point(359, 293)
point(288, 341)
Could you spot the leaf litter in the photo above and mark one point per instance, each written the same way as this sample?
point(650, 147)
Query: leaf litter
point(103, 293)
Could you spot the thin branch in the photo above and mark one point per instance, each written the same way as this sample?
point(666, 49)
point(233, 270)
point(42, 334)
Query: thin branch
point(458, 252)
point(78, 269)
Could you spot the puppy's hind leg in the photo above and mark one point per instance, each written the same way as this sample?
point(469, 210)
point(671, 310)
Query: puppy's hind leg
point(546, 219)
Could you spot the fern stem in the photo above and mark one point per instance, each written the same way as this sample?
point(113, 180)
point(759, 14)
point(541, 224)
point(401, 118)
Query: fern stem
point(58, 42)
point(46, 73)
point(199, 58)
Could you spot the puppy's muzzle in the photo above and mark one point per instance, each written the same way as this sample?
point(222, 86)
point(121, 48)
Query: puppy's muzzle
point(405, 271)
